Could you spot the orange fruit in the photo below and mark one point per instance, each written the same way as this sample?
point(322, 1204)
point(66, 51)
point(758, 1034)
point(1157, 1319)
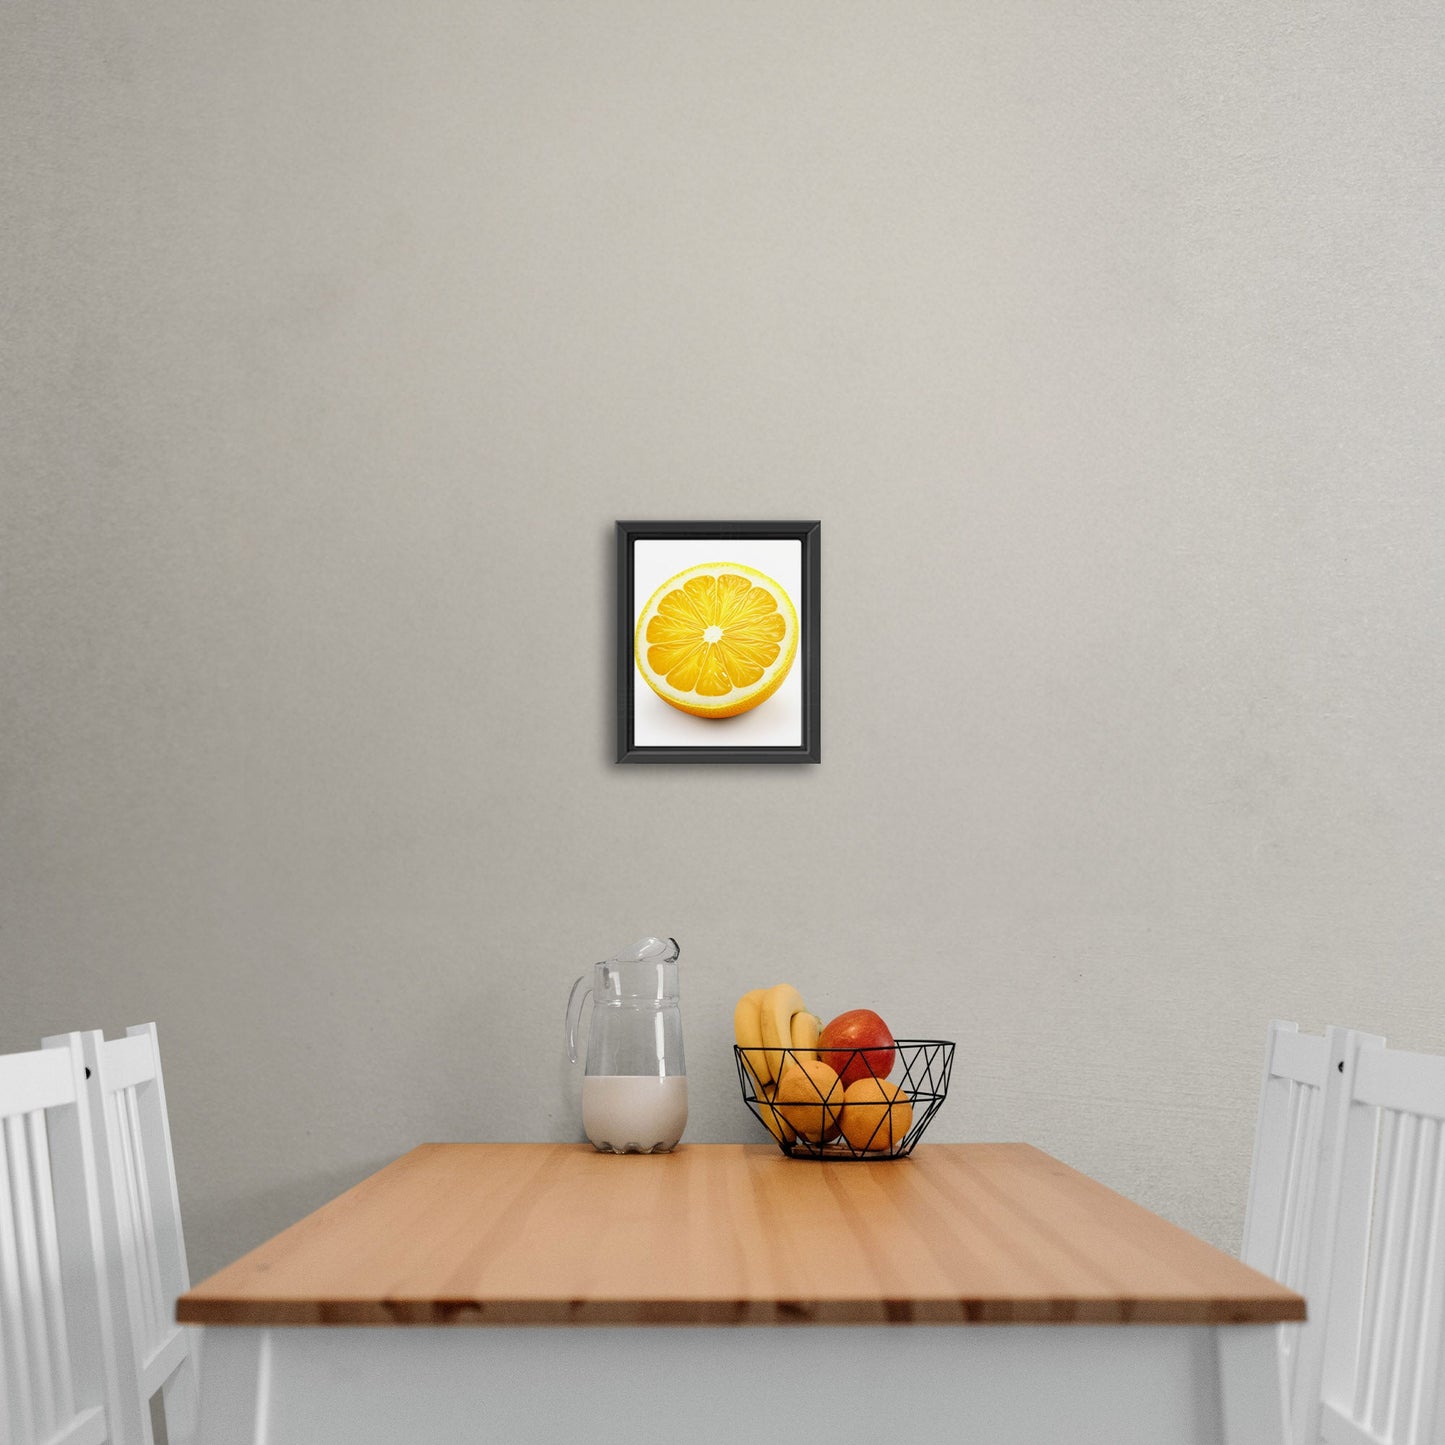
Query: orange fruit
point(717, 639)
point(876, 1114)
point(778, 1126)
point(810, 1097)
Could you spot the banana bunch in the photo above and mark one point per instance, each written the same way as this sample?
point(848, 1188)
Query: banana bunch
point(765, 1022)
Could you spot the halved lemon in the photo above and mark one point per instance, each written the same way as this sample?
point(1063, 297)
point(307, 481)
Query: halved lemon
point(717, 639)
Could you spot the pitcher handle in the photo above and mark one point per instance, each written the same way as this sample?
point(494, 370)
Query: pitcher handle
point(575, 1000)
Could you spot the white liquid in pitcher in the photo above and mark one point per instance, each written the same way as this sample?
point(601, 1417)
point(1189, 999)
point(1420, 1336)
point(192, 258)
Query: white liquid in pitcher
point(627, 1113)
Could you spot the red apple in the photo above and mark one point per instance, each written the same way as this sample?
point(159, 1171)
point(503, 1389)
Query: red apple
point(859, 1028)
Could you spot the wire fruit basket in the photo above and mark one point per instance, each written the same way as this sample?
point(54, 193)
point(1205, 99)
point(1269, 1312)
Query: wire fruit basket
point(812, 1120)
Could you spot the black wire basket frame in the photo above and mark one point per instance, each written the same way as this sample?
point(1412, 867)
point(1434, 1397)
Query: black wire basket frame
point(926, 1066)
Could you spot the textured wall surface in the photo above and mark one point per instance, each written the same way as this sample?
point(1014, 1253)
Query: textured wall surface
point(1105, 341)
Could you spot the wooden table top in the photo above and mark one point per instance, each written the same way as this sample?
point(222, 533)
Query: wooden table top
point(461, 1234)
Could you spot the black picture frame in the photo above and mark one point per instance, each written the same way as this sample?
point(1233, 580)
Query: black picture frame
point(805, 663)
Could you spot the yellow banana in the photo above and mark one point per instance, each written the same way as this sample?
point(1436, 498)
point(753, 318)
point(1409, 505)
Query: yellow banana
point(776, 1010)
point(747, 1032)
point(804, 1029)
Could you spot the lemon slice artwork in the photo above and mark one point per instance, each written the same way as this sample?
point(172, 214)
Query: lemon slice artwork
point(717, 639)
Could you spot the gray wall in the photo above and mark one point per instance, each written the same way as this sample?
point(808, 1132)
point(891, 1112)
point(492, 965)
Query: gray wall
point(1106, 342)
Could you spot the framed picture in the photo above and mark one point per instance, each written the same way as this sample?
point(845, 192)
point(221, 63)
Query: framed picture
point(717, 642)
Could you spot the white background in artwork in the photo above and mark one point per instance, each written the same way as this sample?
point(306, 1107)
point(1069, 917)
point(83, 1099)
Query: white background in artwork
point(778, 722)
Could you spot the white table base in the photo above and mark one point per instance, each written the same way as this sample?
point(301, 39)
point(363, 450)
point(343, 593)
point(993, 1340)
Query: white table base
point(627, 1385)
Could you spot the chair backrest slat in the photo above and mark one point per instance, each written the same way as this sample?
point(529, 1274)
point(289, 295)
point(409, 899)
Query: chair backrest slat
point(1432, 1307)
point(1410, 1358)
point(16, 1331)
point(43, 1341)
point(1386, 1212)
point(1409, 1325)
point(51, 1284)
point(149, 1234)
point(1299, 1200)
point(134, 1245)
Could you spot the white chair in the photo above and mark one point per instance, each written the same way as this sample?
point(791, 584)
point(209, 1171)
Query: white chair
point(58, 1372)
point(1284, 1233)
point(1371, 1371)
point(1286, 1149)
point(145, 1245)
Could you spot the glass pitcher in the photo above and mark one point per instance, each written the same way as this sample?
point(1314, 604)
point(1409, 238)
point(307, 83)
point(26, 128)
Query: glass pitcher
point(634, 1092)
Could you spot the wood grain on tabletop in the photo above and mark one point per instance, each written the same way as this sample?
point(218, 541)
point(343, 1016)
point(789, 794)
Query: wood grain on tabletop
point(733, 1234)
